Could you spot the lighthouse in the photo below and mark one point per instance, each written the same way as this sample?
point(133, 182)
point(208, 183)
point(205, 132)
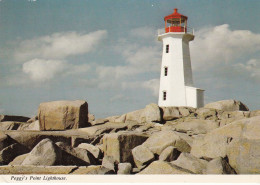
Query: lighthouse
point(176, 83)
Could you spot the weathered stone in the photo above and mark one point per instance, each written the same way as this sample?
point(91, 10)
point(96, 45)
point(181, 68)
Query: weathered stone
point(9, 153)
point(195, 126)
point(99, 122)
point(120, 145)
point(255, 113)
point(95, 151)
point(13, 118)
point(109, 163)
point(62, 115)
point(124, 168)
point(142, 156)
point(31, 126)
point(33, 119)
point(4, 141)
point(158, 141)
point(219, 166)
point(91, 117)
point(31, 169)
point(18, 160)
point(112, 118)
point(207, 113)
point(92, 170)
point(152, 113)
point(11, 125)
point(162, 167)
point(136, 116)
point(170, 113)
point(184, 111)
point(216, 142)
point(76, 156)
point(191, 163)
point(227, 105)
point(121, 119)
point(44, 153)
point(243, 155)
point(169, 154)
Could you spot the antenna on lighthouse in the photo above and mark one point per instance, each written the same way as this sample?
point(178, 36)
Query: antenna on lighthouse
point(176, 82)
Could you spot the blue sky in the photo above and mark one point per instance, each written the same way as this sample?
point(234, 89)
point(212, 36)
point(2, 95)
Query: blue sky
point(106, 52)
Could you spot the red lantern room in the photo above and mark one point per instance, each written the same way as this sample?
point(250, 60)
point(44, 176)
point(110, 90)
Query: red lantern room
point(175, 22)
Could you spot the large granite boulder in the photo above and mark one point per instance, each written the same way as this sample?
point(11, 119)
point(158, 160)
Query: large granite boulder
point(45, 153)
point(13, 118)
point(219, 166)
point(124, 168)
point(4, 140)
point(162, 167)
point(227, 105)
point(152, 113)
point(120, 145)
point(169, 154)
point(62, 115)
point(142, 156)
point(191, 163)
point(158, 141)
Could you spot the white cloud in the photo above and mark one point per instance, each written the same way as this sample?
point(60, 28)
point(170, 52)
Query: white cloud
point(40, 70)
point(59, 45)
point(252, 67)
point(153, 85)
point(221, 45)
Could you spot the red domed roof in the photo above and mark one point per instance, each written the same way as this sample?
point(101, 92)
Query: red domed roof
point(175, 15)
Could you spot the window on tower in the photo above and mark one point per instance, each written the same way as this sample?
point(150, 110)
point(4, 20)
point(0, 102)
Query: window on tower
point(164, 95)
point(165, 71)
point(167, 48)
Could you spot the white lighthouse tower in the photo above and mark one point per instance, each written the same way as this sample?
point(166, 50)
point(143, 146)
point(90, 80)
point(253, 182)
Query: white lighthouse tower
point(176, 84)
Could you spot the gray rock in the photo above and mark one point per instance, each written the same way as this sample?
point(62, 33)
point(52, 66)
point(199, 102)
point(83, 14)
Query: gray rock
point(207, 114)
point(184, 111)
point(95, 151)
point(228, 105)
point(219, 166)
point(137, 116)
point(124, 168)
point(169, 154)
point(158, 141)
point(9, 153)
point(170, 113)
point(142, 156)
point(19, 159)
point(45, 153)
point(152, 113)
point(109, 163)
point(162, 167)
point(62, 115)
point(191, 163)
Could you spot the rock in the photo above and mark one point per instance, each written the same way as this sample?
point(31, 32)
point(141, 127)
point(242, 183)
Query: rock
point(112, 118)
point(194, 126)
point(34, 126)
point(243, 155)
point(99, 121)
point(11, 125)
point(228, 105)
point(4, 141)
point(121, 119)
point(13, 118)
point(169, 154)
point(9, 153)
point(91, 117)
point(142, 156)
point(76, 156)
point(170, 113)
point(124, 168)
point(216, 142)
point(62, 115)
point(152, 113)
point(45, 153)
point(255, 113)
point(162, 167)
point(136, 116)
point(109, 163)
point(219, 166)
point(191, 163)
point(33, 119)
point(184, 111)
point(120, 145)
point(158, 141)
point(207, 113)
point(18, 160)
point(94, 170)
point(95, 151)
point(21, 169)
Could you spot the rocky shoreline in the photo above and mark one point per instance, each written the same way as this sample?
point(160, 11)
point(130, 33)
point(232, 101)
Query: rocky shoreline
point(64, 138)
